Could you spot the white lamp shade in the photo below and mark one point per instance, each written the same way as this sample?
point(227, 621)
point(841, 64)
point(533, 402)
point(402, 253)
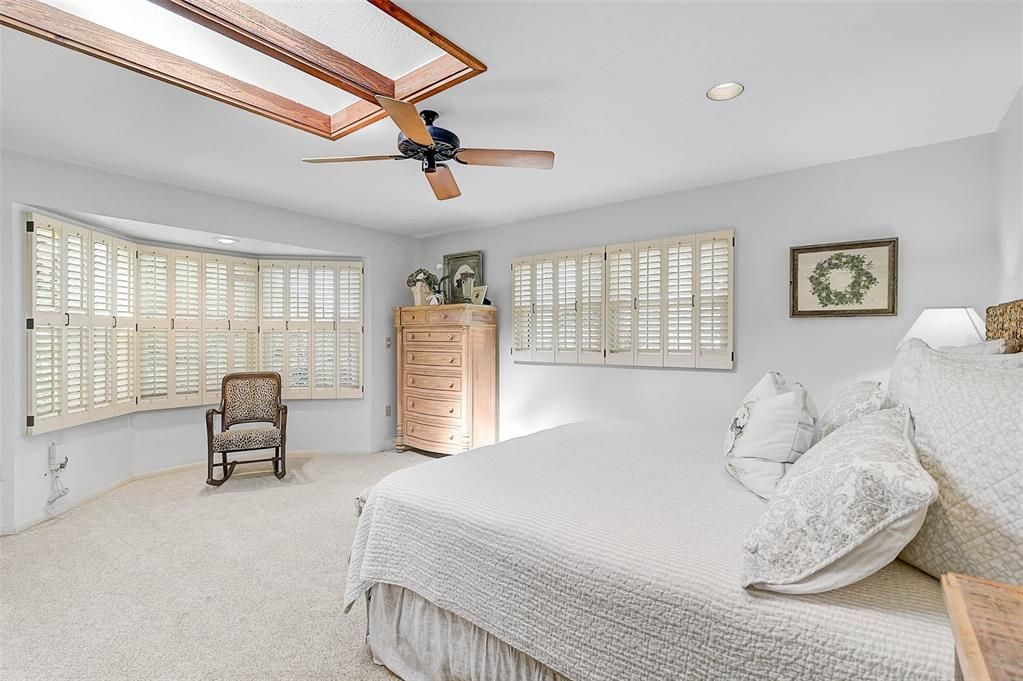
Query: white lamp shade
point(947, 327)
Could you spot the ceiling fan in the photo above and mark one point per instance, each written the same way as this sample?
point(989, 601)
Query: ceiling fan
point(420, 139)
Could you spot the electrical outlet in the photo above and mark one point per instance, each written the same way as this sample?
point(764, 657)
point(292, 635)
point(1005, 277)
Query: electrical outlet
point(388, 341)
point(387, 410)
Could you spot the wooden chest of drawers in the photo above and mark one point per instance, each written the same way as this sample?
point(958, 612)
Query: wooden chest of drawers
point(447, 377)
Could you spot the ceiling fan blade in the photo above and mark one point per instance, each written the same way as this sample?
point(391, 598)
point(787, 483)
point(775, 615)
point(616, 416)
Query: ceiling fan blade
point(443, 183)
point(407, 119)
point(350, 159)
point(506, 158)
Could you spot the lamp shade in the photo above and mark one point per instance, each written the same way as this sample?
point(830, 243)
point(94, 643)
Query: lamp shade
point(947, 326)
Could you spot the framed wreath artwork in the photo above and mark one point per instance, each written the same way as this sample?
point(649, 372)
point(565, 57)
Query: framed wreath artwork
point(845, 279)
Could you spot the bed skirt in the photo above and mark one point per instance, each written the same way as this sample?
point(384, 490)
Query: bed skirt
point(420, 641)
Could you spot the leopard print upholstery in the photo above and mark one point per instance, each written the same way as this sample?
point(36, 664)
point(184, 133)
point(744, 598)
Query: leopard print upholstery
point(1006, 321)
point(248, 438)
point(251, 398)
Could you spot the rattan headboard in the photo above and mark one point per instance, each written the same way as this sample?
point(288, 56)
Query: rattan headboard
point(1006, 321)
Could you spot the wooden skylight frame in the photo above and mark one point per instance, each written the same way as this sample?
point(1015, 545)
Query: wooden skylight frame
point(261, 32)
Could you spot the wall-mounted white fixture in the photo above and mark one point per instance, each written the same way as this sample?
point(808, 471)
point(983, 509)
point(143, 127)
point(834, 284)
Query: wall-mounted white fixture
point(56, 467)
point(225, 240)
point(947, 326)
point(725, 91)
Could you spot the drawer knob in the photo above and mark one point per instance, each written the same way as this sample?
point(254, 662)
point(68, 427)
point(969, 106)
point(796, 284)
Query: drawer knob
point(412, 381)
point(451, 437)
point(410, 428)
point(412, 336)
point(451, 360)
point(412, 357)
point(451, 385)
point(451, 336)
point(411, 403)
point(451, 410)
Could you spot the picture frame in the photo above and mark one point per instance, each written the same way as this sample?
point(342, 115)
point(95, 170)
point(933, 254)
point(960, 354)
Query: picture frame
point(464, 271)
point(845, 279)
point(479, 294)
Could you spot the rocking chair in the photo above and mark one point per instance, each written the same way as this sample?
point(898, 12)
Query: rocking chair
point(251, 397)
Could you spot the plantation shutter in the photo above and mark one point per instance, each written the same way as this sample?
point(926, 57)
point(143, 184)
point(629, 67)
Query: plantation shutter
point(185, 327)
point(543, 308)
point(125, 366)
point(272, 319)
point(216, 322)
point(298, 329)
point(243, 351)
point(566, 346)
point(621, 300)
point(591, 306)
point(323, 369)
point(650, 303)
point(715, 300)
point(77, 319)
point(350, 326)
point(102, 356)
point(154, 328)
point(522, 308)
point(45, 345)
point(681, 301)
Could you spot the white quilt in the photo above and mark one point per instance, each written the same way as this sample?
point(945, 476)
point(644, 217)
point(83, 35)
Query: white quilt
point(609, 553)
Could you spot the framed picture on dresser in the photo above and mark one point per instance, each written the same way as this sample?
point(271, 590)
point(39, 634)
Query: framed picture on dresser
point(464, 271)
point(848, 279)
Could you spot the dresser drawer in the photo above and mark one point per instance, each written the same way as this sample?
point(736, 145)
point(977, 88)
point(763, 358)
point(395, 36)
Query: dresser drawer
point(433, 337)
point(437, 434)
point(431, 358)
point(413, 317)
point(423, 382)
point(446, 408)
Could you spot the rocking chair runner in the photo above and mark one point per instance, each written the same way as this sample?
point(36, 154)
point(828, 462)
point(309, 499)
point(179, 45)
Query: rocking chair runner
point(251, 397)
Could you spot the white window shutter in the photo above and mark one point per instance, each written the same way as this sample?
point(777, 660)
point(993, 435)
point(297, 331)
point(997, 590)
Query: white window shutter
point(714, 300)
point(350, 325)
point(154, 328)
point(650, 303)
point(323, 369)
point(679, 348)
point(620, 304)
point(45, 363)
point(272, 310)
point(77, 321)
point(102, 356)
point(216, 286)
point(244, 316)
point(186, 321)
point(543, 308)
point(125, 319)
point(298, 328)
point(566, 317)
point(522, 308)
point(591, 305)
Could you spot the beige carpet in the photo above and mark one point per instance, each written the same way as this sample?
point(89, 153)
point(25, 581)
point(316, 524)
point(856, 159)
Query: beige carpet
point(167, 578)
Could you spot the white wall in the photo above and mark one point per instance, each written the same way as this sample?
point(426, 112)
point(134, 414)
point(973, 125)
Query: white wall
point(106, 452)
point(1008, 165)
point(938, 200)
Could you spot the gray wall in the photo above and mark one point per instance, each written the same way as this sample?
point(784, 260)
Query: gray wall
point(1008, 168)
point(938, 200)
point(106, 452)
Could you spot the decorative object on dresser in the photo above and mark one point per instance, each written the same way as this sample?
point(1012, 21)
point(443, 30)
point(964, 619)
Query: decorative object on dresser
point(479, 294)
point(847, 279)
point(447, 377)
point(422, 283)
point(987, 623)
point(463, 272)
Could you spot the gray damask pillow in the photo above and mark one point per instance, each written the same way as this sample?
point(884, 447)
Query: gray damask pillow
point(856, 401)
point(844, 510)
point(969, 431)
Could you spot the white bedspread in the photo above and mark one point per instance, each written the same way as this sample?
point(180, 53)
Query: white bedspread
point(606, 552)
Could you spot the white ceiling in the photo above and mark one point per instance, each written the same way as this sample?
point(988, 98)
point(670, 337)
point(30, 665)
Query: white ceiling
point(616, 89)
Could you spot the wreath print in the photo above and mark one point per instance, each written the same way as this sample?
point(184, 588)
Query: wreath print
point(862, 279)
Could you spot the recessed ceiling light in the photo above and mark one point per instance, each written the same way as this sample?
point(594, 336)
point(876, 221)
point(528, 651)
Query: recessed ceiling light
point(225, 240)
point(725, 91)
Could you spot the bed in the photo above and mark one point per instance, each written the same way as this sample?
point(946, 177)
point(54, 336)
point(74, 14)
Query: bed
point(605, 550)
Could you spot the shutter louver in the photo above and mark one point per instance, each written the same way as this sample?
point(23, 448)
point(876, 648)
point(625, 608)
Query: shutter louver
point(216, 319)
point(185, 324)
point(125, 369)
point(620, 300)
point(715, 304)
point(591, 306)
point(349, 330)
point(543, 309)
point(323, 359)
point(649, 307)
point(272, 311)
point(566, 349)
point(215, 353)
point(680, 304)
point(48, 376)
point(101, 335)
point(124, 372)
point(299, 329)
point(46, 339)
point(244, 349)
point(153, 364)
point(522, 308)
point(155, 352)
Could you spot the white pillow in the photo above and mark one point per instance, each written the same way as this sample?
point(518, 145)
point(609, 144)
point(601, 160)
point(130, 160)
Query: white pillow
point(856, 401)
point(991, 347)
point(968, 412)
point(772, 428)
point(845, 510)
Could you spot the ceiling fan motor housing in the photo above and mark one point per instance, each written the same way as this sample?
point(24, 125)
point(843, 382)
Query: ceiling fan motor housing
point(445, 142)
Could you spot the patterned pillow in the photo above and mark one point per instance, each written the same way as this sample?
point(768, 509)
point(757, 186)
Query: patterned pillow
point(843, 511)
point(771, 429)
point(991, 347)
point(856, 401)
point(969, 430)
